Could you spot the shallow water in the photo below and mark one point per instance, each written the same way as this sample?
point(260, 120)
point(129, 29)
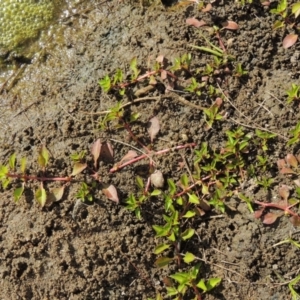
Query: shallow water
point(19, 46)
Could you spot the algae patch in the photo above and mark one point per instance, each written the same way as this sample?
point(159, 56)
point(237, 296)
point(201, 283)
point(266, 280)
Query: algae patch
point(21, 20)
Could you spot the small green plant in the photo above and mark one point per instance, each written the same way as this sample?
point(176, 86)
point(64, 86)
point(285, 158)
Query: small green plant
point(265, 182)
point(264, 139)
point(134, 203)
point(293, 93)
point(190, 279)
point(287, 18)
point(182, 63)
point(43, 194)
point(212, 114)
point(239, 71)
point(295, 135)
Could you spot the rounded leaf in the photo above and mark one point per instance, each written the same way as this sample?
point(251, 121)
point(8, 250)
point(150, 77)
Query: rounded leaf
point(289, 40)
point(194, 22)
point(230, 25)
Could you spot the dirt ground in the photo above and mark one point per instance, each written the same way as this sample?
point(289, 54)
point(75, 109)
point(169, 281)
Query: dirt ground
point(103, 251)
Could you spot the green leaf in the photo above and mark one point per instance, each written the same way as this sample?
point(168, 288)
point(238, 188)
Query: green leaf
point(205, 189)
point(118, 78)
point(160, 248)
point(133, 67)
point(163, 261)
point(3, 172)
point(296, 9)
point(155, 193)
point(278, 24)
point(5, 182)
point(172, 186)
point(23, 164)
point(184, 181)
point(161, 230)
point(41, 196)
point(193, 199)
point(18, 193)
point(189, 214)
point(201, 285)
point(248, 201)
point(105, 83)
point(189, 257)
point(179, 201)
point(139, 182)
point(137, 212)
point(212, 283)
point(12, 161)
point(295, 295)
point(195, 270)
point(180, 277)
point(168, 203)
point(187, 234)
point(172, 237)
point(43, 156)
point(171, 291)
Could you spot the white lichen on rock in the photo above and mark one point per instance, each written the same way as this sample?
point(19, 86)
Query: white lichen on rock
point(21, 20)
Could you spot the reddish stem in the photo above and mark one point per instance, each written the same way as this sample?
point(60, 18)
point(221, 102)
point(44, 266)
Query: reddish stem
point(286, 209)
point(116, 168)
point(28, 177)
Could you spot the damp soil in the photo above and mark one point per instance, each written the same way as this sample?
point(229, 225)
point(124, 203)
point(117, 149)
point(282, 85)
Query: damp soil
point(102, 251)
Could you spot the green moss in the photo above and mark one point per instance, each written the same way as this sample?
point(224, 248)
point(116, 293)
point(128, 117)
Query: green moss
point(21, 20)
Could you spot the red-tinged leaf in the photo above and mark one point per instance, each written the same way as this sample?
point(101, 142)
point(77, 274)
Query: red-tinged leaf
point(107, 152)
point(269, 218)
point(163, 261)
point(195, 22)
point(204, 205)
point(287, 171)
point(111, 193)
point(163, 74)
point(154, 128)
point(160, 59)
point(295, 220)
point(218, 102)
point(297, 182)
point(292, 160)
point(96, 150)
point(289, 40)
point(284, 192)
point(168, 282)
point(281, 163)
point(157, 179)
point(207, 8)
point(78, 168)
point(230, 25)
point(57, 193)
point(258, 213)
point(130, 155)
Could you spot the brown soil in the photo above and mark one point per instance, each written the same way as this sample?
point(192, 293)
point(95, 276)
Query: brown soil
point(103, 251)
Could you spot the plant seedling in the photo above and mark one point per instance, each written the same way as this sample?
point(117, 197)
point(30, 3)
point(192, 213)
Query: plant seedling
point(293, 93)
point(42, 195)
point(285, 205)
point(296, 135)
point(190, 279)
